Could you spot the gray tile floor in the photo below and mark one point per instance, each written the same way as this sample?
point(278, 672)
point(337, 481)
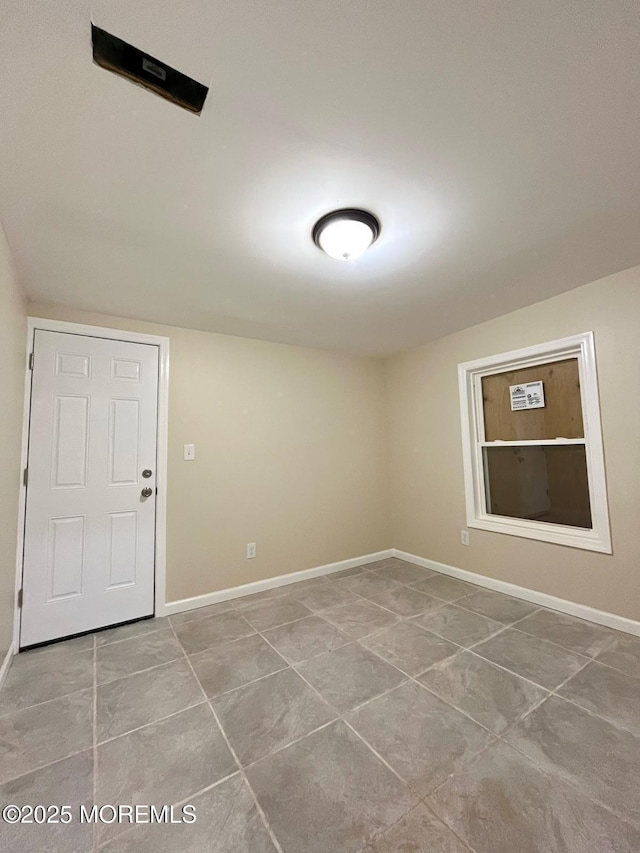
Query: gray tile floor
point(384, 708)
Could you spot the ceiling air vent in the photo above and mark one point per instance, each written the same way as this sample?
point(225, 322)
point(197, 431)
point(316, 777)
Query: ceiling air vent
point(116, 55)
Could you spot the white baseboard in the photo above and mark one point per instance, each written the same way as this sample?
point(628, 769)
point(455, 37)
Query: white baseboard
point(183, 604)
point(582, 611)
point(6, 663)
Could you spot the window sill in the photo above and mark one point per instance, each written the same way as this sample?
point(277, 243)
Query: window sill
point(559, 534)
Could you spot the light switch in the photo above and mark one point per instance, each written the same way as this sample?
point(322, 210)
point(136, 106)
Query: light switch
point(189, 452)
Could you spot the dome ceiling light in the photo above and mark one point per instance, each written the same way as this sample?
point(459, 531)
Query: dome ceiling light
point(346, 234)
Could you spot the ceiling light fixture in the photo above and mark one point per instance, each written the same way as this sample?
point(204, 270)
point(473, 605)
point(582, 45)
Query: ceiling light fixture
point(346, 234)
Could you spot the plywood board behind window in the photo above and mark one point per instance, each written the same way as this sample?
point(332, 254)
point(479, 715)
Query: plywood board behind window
point(561, 416)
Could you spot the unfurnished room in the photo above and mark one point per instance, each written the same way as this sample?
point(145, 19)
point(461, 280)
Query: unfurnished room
point(320, 433)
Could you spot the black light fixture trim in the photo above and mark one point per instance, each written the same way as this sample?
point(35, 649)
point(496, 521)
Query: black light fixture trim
point(352, 213)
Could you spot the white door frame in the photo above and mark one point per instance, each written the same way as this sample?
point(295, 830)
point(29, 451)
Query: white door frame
point(163, 422)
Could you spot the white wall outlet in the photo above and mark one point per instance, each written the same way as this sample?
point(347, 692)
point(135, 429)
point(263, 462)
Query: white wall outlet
point(189, 452)
point(464, 537)
point(251, 550)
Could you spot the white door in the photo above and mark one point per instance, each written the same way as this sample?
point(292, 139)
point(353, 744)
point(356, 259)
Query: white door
point(90, 529)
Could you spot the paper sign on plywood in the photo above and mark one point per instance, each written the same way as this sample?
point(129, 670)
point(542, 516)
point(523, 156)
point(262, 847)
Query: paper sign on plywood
point(528, 395)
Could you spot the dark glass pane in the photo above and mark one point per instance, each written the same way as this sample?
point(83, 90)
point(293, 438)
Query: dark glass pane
point(542, 483)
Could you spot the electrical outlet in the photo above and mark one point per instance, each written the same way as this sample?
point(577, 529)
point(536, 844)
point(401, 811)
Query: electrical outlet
point(251, 550)
point(464, 537)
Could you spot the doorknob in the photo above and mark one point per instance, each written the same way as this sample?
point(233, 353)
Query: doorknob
point(146, 493)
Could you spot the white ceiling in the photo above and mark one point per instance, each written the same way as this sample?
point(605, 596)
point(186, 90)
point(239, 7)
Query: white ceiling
point(498, 142)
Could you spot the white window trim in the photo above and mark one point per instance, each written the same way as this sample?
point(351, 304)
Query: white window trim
point(470, 376)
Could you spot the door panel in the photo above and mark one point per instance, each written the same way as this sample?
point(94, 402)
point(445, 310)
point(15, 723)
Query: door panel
point(70, 433)
point(122, 548)
point(124, 433)
point(66, 556)
point(129, 371)
point(89, 533)
point(68, 364)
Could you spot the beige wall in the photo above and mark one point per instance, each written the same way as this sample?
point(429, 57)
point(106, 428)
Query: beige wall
point(318, 457)
point(290, 453)
point(13, 347)
point(428, 508)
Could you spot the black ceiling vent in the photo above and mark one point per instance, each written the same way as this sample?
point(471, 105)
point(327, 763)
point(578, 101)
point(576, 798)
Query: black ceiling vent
point(116, 55)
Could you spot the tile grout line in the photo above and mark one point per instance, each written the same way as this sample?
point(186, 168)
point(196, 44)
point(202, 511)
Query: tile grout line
point(549, 692)
point(47, 764)
point(247, 683)
point(293, 667)
point(107, 740)
point(429, 805)
point(232, 751)
point(461, 649)
point(408, 678)
point(571, 783)
point(320, 611)
point(152, 722)
point(452, 602)
point(259, 808)
point(209, 700)
point(555, 693)
point(379, 654)
point(442, 636)
point(443, 602)
point(414, 679)
point(46, 701)
point(166, 716)
point(177, 804)
point(283, 624)
point(374, 752)
point(222, 643)
point(616, 725)
point(341, 714)
point(466, 845)
point(341, 717)
point(126, 639)
point(189, 664)
point(588, 659)
point(379, 836)
point(359, 595)
point(255, 631)
point(191, 797)
point(501, 738)
point(139, 671)
point(455, 708)
point(352, 640)
point(591, 658)
point(462, 769)
point(575, 786)
point(494, 738)
point(292, 663)
point(284, 746)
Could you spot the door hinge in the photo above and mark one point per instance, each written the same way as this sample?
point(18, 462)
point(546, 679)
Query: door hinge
point(25, 476)
point(31, 360)
point(19, 598)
